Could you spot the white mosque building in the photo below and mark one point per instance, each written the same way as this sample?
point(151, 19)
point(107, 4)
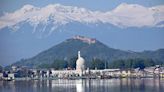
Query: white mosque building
point(80, 69)
point(82, 72)
point(80, 65)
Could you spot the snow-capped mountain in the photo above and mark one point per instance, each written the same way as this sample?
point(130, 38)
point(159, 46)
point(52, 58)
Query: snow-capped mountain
point(55, 15)
point(30, 29)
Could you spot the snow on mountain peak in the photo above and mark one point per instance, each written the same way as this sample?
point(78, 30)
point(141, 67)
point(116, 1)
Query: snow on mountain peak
point(125, 15)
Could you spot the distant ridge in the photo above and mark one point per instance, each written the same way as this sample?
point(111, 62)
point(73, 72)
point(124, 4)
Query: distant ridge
point(90, 48)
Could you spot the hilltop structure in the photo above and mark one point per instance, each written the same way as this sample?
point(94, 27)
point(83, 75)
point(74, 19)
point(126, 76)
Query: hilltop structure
point(85, 39)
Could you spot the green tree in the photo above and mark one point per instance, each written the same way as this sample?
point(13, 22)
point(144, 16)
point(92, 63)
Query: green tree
point(128, 63)
point(1, 68)
point(137, 62)
point(59, 64)
point(72, 62)
point(44, 66)
point(97, 63)
point(118, 64)
point(148, 62)
point(132, 63)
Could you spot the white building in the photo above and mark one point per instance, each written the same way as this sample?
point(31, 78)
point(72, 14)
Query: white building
point(80, 69)
point(11, 76)
point(80, 65)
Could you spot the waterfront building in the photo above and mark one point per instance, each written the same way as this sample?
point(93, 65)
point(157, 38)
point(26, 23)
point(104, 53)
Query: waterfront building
point(11, 76)
point(80, 65)
point(82, 72)
point(80, 69)
point(14, 68)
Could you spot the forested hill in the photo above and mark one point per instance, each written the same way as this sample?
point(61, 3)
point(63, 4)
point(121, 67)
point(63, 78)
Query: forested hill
point(90, 49)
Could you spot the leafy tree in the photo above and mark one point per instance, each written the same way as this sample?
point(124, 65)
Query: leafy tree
point(138, 63)
point(1, 68)
point(132, 63)
point(128, 63)
point(72, 62)
point(44, 66)
point(149, 62)
point(97, 63)
point(159, 62)
point(59, 64)
point(118, 64)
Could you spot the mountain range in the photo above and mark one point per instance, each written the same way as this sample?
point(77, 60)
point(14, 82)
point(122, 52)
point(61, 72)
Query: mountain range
point(31, 29)
point(123, 16)
point(90, 48)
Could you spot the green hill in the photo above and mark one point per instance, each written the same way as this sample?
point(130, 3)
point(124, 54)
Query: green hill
point(90, 49)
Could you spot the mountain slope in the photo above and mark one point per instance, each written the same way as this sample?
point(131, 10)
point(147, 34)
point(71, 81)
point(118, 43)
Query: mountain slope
point(90, 48)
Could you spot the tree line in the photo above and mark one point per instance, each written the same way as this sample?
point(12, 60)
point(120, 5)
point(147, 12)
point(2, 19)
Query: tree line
point(61, 64)
point(133, 63)
point(102, 64)
point(1, 68)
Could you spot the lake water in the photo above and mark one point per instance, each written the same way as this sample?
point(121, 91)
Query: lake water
point(86, 85)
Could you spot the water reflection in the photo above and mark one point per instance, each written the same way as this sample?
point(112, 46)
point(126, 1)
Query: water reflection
point(80, 86)
point(112, 85)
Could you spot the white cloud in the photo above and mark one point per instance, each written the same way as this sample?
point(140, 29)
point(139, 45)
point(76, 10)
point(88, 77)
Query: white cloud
point(125, 15)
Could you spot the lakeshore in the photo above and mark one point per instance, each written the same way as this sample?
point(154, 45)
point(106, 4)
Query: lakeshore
point(51, 74)
point(81, 72)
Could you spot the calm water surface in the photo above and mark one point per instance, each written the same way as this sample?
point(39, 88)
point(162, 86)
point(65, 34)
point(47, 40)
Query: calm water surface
point(94, 85)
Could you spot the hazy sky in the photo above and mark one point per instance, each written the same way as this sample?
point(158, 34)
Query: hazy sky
point(17, 45)
point(104, 5)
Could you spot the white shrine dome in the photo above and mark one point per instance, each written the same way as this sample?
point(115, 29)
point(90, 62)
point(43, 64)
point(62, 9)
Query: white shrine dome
point(80, 63)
